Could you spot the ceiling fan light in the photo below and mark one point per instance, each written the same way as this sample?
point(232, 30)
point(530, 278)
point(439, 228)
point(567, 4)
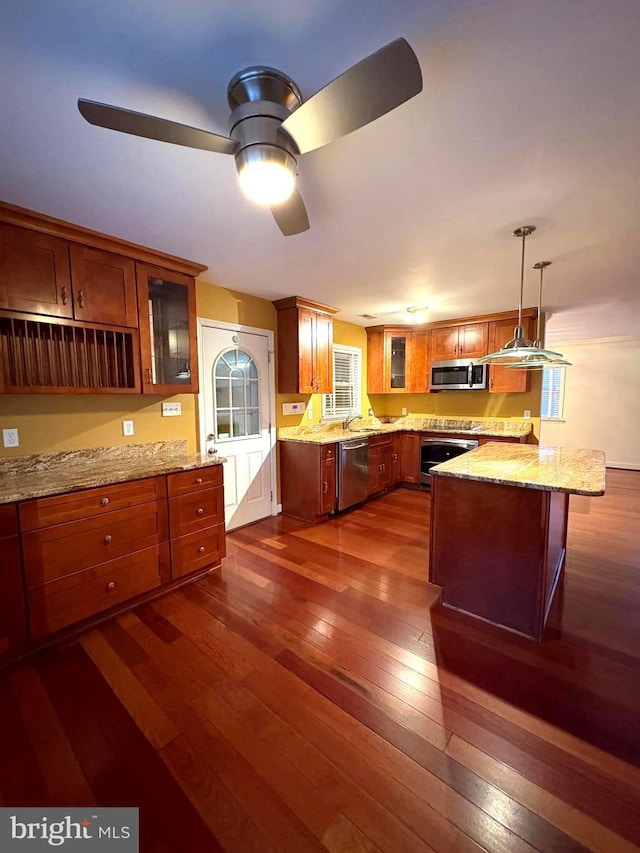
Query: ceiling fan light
point(267, 174)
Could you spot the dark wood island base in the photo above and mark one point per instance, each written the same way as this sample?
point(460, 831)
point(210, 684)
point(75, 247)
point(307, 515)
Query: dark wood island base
point(499, 529)
point(498, 551)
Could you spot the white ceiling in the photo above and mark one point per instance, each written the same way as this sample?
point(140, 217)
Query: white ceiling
point(529, 114)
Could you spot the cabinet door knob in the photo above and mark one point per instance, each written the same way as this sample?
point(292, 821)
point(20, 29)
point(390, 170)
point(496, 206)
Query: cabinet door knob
point(149, 375)
point(198, 481)
point(107, 539)
point(81, 298)
point(65, 296)
point(111, 586)
point(201, 549)
point(104, 501)
point(325, 487)
point(200, 510)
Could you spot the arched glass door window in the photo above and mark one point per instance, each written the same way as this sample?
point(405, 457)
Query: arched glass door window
point(237, 412)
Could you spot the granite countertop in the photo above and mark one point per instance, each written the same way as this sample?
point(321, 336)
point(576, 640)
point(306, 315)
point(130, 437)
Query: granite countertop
point(332, 432)
point(554, 469)
point(23, 477)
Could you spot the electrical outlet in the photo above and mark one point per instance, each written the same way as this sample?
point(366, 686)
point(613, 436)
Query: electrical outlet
point(171, 410)
point(527, 413)
point(310, 409)
point(10, 438)
point(127, 427)
point(404, 411)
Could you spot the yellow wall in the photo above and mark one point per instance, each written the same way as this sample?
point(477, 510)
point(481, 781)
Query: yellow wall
point(466, 403)
point(51, 422)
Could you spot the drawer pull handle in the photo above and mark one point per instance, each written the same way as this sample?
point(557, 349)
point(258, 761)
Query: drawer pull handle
point(201, 549)
point(198, 480)
point(107, 539)
point(200, 510)
point(111, 586)
point(104, 501)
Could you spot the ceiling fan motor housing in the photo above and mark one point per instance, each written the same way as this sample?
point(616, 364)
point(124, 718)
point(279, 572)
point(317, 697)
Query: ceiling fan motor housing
point(261, 99)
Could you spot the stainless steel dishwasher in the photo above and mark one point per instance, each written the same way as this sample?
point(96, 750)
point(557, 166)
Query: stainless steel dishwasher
point(353, 472)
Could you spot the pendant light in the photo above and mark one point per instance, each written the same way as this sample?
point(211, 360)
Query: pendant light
point(512, 351)
point(540, 358)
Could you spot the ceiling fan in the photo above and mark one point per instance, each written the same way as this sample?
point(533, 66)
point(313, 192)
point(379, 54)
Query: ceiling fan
point(270, 125)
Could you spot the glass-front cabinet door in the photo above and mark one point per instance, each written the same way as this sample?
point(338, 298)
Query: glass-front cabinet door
point(168, 346)
point(397, 345)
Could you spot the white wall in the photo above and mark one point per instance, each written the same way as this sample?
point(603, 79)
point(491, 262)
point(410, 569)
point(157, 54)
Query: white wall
point(602, 399)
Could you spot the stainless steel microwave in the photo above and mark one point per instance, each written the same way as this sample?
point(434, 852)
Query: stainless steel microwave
point(459, 374)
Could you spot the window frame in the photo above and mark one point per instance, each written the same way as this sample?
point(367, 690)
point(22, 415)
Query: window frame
point(330, 413)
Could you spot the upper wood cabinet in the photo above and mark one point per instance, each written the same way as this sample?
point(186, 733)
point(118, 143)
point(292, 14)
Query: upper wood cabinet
point(502, 380)
point(397, 360)
point(79, 310)
point(35, 275)
point(168, 339)
point(305, 346)
point(41, 274)
point(460, 341)
point(104, 287)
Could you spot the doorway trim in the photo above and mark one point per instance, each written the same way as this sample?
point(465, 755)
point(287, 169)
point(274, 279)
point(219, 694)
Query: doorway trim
point(206, 322)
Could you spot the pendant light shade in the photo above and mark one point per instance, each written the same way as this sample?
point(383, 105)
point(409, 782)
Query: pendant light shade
point(539, 358)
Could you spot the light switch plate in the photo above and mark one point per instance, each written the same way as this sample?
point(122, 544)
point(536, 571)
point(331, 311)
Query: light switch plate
point(127, 427)
point(171, 410)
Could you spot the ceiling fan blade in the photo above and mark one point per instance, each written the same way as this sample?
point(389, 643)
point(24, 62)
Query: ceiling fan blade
point(151, 127)
point(291, 215)
point(368, 90)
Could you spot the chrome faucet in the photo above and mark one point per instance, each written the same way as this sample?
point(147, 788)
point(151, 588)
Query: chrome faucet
point(350, 420)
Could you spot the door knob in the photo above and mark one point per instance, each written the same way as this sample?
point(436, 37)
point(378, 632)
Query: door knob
point(211, 437)
point(212, 451)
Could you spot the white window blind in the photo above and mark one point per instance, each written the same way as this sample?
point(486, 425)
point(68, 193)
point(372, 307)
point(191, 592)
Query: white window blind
point(552, 393)
point(345, 399)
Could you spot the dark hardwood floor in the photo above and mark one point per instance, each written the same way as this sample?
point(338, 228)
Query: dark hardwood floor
point(313, 695)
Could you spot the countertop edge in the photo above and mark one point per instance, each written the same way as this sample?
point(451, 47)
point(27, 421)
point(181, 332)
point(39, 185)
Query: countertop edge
point(541, 487)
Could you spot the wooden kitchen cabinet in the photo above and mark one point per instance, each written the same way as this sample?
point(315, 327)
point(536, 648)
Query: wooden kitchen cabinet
point(104, 287)
point(87, 552)
point(41, 274)
point(395, 459)
point(305, 346)
point(168, 331)
point(13, 619)
point(69, 311)
point(389, 359)
point(307, 479)
point(196, 520)
point(420, 362)
point(35, 275)
point(380, 463)
point(409, 443)
point(468, 340)
point(500, 379)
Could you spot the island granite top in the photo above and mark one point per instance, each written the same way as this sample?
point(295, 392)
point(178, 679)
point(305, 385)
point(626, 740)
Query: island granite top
point(554, 469)
point(24, 477)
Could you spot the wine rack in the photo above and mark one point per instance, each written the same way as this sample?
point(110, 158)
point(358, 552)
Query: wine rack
point(50, 356)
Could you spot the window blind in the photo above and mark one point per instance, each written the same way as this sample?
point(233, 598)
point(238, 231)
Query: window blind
point(345, 399)
point(552, 387)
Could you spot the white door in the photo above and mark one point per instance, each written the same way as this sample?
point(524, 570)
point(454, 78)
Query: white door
point(235, 416)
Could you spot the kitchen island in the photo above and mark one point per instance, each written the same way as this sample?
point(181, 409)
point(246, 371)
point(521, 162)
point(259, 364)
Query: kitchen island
point(499, 529)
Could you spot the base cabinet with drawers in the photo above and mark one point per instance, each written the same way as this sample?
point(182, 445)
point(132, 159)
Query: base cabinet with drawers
point(196, 520)
point(88, 552)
